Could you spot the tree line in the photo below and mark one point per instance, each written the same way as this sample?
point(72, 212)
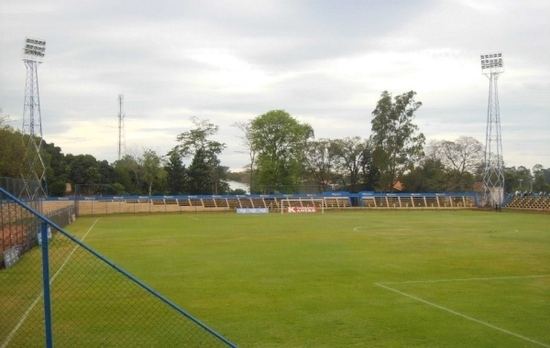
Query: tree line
point(284, 156)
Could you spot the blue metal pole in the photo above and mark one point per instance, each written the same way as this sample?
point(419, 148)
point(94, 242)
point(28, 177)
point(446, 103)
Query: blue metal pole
point(46, 284)
point(46, 221)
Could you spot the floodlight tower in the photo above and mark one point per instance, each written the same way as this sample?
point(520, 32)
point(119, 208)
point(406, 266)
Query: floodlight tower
point(34, 174)
point(493, 174)
point(121, 115)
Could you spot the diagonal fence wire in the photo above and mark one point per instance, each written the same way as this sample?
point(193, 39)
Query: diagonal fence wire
point(94, 301)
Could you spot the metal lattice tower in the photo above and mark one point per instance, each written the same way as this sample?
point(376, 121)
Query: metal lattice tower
point(121, 137)
point(34, 172)
point(493, 173)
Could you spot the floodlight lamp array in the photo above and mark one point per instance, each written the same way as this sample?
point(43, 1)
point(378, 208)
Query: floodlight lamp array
point(34, 49)
point(35, 42)
point(491, 61)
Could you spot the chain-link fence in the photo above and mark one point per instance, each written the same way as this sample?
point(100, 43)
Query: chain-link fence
point(86, 300)
point(17, 227)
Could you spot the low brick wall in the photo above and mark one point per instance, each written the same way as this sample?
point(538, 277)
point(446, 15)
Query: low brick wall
point(50, 206)
point(93, 207)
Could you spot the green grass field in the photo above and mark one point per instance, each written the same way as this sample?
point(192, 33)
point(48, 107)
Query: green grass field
point(364, 278)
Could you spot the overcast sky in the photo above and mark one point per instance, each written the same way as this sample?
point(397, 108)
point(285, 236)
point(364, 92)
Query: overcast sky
point(324, 62)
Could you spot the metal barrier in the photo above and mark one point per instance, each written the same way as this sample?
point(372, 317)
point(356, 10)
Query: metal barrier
point(540, 202)
point(106, 205)
point(67, 294)
point(17, 227)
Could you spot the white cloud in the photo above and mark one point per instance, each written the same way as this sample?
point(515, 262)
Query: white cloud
point(324, 62)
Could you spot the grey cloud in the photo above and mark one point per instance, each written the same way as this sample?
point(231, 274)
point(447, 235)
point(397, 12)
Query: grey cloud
point(98, 49)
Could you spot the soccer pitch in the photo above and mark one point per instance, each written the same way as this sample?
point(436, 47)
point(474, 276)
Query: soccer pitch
point(361, 278)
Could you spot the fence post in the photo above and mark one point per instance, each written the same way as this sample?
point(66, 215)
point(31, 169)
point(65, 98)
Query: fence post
point(46, 284)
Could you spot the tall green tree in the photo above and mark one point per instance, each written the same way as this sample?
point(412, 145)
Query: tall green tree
point(321, 162)
point(83, 169)
point(176, 173)
point(12, 151)
point(279, 142)
point(351, 155)
point(465, 154)
point(56, 169)
point(198, 145)
point(541, 180)
point(128, 174)
point(153, 172)
point(106, 172)
point(517, 179)
point(396, 140)
point(429, 176)
point(246, 138)
point(205, 177)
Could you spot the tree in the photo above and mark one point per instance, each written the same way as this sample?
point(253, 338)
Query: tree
point(198, 138)
point(152, 170)
point(56, 169)
point(517, 179)
point(3, 120)
point(205, 176)
point(351, 157)
point(465, 154)
point(369, 172)
point(396, 140)
point(11, 152)
point(175, 173)
point(245, 128)
point(279, 142)
point(321, 161)
point(128, 174)
point(196, 144)
point(83, 169)
point(541, 178)
point(429, 176)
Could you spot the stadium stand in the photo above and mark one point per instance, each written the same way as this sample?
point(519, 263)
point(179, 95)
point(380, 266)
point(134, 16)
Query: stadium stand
point(419, 200)
point(528, 201)
point(100, 205)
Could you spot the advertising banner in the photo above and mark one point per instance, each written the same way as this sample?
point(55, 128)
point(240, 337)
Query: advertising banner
point(252, 210)
point(302, 209)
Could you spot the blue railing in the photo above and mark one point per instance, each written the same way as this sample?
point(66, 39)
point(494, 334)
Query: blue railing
point(267, 196)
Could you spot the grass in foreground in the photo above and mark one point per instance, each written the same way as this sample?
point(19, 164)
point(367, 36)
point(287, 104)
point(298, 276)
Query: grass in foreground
point(311, 280)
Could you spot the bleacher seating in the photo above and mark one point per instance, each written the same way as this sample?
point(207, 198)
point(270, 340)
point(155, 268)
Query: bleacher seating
point(233, 203)
point(258, 202)
point(328, 201)
point(196, 202)
point(221, 202)
point(209, 203)
point(418, 200)
point(532, 202)
point(245, 202)
point(337, 202)
point(184, 202)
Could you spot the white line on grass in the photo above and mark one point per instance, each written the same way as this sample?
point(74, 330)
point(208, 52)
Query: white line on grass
point(448, 310)
point(470, 279)
point(37, 299)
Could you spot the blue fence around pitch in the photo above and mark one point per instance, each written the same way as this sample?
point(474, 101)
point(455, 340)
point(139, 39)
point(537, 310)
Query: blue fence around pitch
point(265, 196)
point(69, 295)
point(100, 205)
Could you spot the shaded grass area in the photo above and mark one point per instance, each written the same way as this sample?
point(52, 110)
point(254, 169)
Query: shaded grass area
point(308, 280)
